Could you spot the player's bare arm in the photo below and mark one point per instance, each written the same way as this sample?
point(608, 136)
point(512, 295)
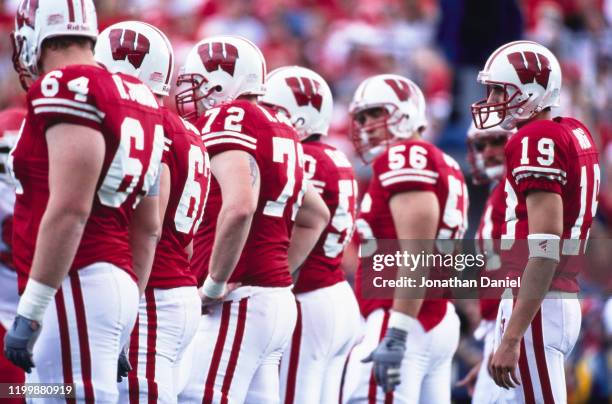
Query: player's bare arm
point(311, 220)
point(76, 154)
point(165, 184)
point(415, 216)
point(545, 211)
point(238, 176)
point(145, 232)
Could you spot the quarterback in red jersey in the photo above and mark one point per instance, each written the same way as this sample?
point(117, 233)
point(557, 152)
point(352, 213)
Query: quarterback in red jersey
point(84, 227)
point(170, 308)
point(255, 196)
point(416, 192)
point(552, 186)
point(10, 123)
point(328, 315)
point(486, 159)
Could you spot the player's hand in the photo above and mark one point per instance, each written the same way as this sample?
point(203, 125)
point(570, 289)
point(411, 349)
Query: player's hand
point(504, 363)
point(387, 359)
point(208, 302)
point(19, 342)
point(123, 365)
point(469, 381)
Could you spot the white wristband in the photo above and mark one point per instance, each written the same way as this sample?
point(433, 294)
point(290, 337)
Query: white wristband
point(212, 288)
point(34, 300)
point(543, 245)
point(402, 321)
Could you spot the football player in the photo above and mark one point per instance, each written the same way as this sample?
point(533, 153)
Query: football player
point(416, 192)
point(328, 314)
point(10, 123)
point(551, 187)
point(486, 159)
point(170, 308)
point(257, 164)
point(84, 229)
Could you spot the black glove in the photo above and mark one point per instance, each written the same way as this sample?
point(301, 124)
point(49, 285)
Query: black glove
point(387, 358)
point(123, 365)
point(19, 342)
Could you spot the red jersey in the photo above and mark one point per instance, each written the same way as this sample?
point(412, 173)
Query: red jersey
point(189, 166)
point(412, 165)
point(126, 113)
point(555, 156)
point(487, 239)
point(10, 122)
point(331, 173)
point(273, 143)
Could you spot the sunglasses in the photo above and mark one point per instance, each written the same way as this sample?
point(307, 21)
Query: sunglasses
point(493, 141)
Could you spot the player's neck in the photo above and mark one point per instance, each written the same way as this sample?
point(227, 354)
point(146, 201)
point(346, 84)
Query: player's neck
point(73, 55)
point(545, 115)
point(160, 99)
point(250, 98)
point(416, 136)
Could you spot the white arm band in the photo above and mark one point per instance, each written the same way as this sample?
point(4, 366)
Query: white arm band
point(543, 245)
point(402, 322)
point(212, 288)
point(34, 300)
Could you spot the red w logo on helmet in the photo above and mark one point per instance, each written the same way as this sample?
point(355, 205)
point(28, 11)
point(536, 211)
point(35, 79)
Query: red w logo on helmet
point(126, 43)
point(213, 56)
point(26, 13)
point(306, 91)
point(400, 87)
point(531, 67)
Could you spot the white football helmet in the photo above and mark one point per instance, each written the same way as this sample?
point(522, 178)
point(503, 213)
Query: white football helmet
point(140, 50)
point(481, 172)
point(403, 101)
point(303, 96)
point(530, 76)
point(37, 20)
point(219, 69)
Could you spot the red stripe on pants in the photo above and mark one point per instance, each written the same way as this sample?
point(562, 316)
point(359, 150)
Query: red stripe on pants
point(294, 356)
point(133, 387)
point(342, 380)
point(209, 387)
point(372, 384)
point(151, 345)
point(79, 308)
point(62, 322)
point(525, 376)
point(233, 359)
point(540, 356)
point(524, 370)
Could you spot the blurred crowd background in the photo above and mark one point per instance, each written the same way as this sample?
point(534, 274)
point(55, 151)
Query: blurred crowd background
point(441, 45)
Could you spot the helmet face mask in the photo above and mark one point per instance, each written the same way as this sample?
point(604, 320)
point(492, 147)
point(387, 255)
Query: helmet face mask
point(371, 132)
point(18, 42)
point(485, 111)
point(191, 102)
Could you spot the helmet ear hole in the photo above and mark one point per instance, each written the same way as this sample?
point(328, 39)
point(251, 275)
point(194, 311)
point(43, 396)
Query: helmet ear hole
point(218, 88)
